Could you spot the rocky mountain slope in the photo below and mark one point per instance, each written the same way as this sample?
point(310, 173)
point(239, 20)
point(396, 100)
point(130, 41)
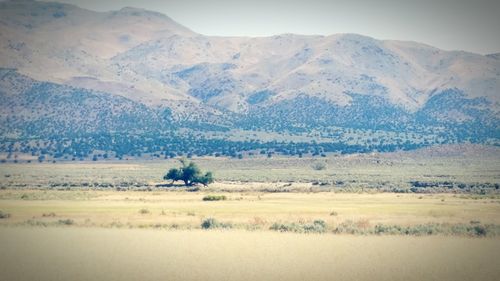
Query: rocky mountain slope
point(73, 69)
point(43, 109)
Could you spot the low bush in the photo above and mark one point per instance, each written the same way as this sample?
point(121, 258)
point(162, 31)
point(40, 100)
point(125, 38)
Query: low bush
point(433, 229)
point(214, 198)
point(51, 214)
point(348, 227)
point(66, 222)
point(318, 166)
point(211, 223)
point(473, 230)
point(318, 226)
point(285, 227)
point(32, 222)
point(4, 215)
point(144, 211)
point(479, 230)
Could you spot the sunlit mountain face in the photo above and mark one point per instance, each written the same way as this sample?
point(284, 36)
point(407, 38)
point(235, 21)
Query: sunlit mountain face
point(132, 80)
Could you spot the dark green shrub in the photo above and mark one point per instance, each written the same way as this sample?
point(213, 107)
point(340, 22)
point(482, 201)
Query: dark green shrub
point(318, 226)
point(479, 230)
point(66, 222)
point(214, 198)
point(190, 174)
point(321, 223)
point(211, 223)
point(285, 227)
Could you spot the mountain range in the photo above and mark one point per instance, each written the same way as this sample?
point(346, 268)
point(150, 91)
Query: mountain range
point(69, 73)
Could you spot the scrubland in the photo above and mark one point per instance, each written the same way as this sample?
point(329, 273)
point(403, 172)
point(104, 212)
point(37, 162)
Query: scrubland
point(351, 217)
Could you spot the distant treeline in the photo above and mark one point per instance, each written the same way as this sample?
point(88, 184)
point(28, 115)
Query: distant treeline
point(119, 146)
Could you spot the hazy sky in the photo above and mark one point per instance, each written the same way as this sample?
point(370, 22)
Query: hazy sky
point(471, 25)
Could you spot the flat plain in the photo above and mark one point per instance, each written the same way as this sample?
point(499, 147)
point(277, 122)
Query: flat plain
point(400, 216)
point(250, 211)
point(139, 254)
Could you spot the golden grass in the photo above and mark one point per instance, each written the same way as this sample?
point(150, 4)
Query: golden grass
point(124, 254)
point(244, 210)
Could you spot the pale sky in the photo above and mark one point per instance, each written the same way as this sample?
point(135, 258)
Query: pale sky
point(470, 25)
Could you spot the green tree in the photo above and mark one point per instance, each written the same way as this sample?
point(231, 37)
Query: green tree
point(206, 179)
point(190, 174)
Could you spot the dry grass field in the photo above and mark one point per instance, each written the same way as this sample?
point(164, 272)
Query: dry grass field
point(360, 217)
point(250, 211)
point(124, 254)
